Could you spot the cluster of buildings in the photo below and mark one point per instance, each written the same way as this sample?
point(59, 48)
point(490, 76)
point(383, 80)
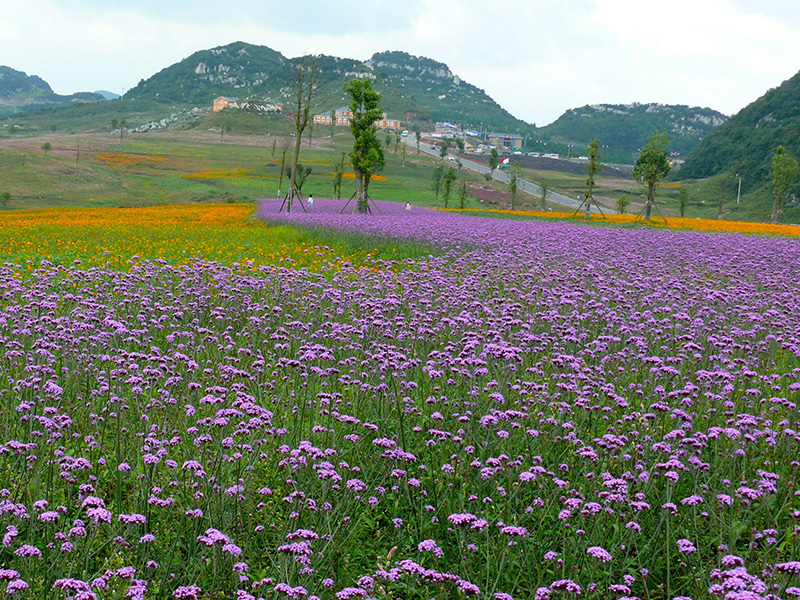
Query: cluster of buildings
point(342, 116)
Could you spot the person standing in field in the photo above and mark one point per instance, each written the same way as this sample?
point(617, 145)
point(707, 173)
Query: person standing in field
point(310, 201)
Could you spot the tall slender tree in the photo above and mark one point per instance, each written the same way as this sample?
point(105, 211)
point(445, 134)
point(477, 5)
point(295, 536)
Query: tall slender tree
point(785, 170)
point(367, 153)
point(304, 75)
point(593, 167)
point(651, 167)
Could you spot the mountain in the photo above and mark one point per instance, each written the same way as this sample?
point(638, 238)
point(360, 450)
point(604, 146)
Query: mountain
point(20, 91)
point(107, 95)
point(624, 128)
point(444, 95)
point(746, 143)
point(413, 87)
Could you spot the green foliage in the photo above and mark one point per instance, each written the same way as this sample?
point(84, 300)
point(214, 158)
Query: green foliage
point(513, 182)
point(545, 185)
point(462, 195)
point(683, 201)
point(367, 154)
point(652, 166)
point(593, 167)
point(625, 129)
point(5, 198)
point(448, 179)
point(494, 159)
point(436, 175)
point(785, 170)
point(745, 144)
point(622, 203)
point(440, 94)
point(47, 147)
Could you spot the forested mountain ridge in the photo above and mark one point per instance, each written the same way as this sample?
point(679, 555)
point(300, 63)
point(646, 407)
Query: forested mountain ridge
point(246, 70)
point(746, 143)
point(20, 91)
point(625, 128)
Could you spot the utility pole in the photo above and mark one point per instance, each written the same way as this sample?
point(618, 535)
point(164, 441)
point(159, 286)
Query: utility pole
point(739, 193)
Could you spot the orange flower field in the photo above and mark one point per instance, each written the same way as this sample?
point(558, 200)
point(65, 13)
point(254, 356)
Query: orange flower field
point(720, 225)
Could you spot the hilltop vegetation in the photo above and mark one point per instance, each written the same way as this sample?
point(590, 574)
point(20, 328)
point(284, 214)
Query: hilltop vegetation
point(747, 142)
point(625, 128)
point(22, 92)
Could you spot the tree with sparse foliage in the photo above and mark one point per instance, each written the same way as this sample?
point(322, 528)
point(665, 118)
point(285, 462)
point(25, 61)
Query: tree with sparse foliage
point(417, 134)
point(462, 194)
point(593, 167)
point(436, 176)
point(443, 150)
point(622, 203)
point(338, 173)
point(513, 183)
point(300, 175)
point(223, 129)
point(448, 179)
point(303, 80)
point(285, 145)
point(494, 160)
point(785, 170)
point(367, 154)
point(683, 201)
point(545, 186)
point(651, 167)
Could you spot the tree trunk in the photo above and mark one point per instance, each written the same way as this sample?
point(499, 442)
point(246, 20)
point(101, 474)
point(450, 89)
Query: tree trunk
point(648, 209)
point(774, 217)
point(361, 193)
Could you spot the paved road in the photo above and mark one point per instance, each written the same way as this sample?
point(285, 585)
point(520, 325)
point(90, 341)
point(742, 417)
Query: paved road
point(524, 184)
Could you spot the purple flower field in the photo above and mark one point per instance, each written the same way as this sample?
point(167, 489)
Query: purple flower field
point(537, 410)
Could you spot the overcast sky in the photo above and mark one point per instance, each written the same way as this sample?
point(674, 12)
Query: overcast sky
point(537, 58)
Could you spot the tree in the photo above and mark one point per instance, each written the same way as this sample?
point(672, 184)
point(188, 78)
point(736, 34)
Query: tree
point(285, 144)
point(333, 124)
point(449, 179)
point(300, 175)
point(53, 127)
point(592, 167)
point(46, 147)
point(622, 203)
point(785, 170)
point(338, 173)
point(388, 140)
point(513, 183)
point(437, 174)
point(443, 150)
point(5, 197)
point(367, 153)
point(462, 194)
point(303, 78)
point(417, 134)
point(545, 190)
point(652, 166)
point(683, 201)
point(494, 160)
point(224, 128)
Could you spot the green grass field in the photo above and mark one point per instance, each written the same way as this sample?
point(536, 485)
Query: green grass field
point(200, 160)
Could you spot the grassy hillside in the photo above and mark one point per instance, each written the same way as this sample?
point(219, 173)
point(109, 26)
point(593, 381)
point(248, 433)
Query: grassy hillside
point(746, 143)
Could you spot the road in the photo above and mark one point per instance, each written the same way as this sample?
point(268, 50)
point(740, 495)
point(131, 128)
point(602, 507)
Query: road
point(524, 185)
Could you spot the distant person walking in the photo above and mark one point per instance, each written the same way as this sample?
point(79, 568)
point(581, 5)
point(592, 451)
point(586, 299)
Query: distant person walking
point(310, 201)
